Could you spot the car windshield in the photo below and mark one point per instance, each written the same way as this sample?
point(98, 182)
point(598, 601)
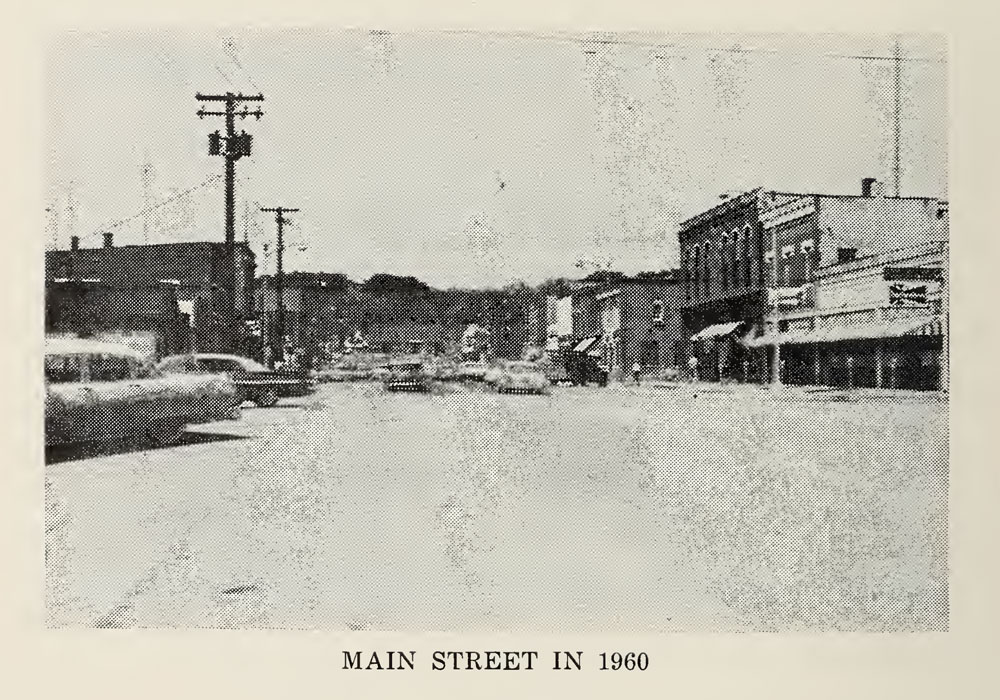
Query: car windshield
point(252, 366)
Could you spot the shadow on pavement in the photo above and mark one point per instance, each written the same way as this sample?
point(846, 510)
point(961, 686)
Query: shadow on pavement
point(68, 453)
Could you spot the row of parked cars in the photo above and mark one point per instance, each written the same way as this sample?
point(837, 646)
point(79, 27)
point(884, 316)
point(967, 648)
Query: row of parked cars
point(97, 391)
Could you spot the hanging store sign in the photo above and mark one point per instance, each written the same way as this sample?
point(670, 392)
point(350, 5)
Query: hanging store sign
point(788, 296)
point(912, 274)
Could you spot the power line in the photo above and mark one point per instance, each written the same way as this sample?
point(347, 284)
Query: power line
point(190, 190)
point(593, 44)
point(224, 76)
point(229, 46)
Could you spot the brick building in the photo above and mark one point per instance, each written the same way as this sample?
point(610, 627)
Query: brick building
point(764, 247)
point(629, 320)
point(198, 272)
point(145, 317)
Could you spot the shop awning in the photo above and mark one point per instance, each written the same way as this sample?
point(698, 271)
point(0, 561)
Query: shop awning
point(928, 326)
point(716, 331)
point(932, 326)
point(585, 344)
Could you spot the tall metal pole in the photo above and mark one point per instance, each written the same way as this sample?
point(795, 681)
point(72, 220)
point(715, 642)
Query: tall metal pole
point(897, 117)
point(773, 310)
point(280, 276)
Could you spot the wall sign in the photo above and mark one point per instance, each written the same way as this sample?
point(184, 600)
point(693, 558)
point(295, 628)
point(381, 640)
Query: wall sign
point(912, 274)
point(912, 294)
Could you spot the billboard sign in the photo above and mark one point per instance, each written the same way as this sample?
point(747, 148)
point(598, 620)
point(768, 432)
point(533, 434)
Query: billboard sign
point(913, 294)
point(912, 274)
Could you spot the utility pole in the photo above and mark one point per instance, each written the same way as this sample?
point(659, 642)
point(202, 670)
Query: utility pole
point(897, 116)
point(236, 146)
point(279, 286)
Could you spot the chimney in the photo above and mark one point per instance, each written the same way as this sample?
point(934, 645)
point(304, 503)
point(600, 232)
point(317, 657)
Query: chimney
point(867, 184)
point(109, 239)
point(74, 243)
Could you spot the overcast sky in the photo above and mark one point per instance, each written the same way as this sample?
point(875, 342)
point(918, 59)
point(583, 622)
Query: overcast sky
point(474, 158)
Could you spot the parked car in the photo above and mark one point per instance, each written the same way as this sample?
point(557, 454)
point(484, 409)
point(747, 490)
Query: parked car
point(583, 369)
point(255, 382)
point(518, 378)
point(472, 371)
point(100, 392)
point(406, 376)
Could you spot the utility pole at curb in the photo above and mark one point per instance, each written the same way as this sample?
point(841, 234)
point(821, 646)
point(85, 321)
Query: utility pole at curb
point(280, 219)
point(236, 146)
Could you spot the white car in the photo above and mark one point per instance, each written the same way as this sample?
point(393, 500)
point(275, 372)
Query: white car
point(98, 392)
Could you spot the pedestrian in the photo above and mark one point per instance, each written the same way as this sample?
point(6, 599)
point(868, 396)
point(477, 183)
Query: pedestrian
point(636, 371)
point(693, 368)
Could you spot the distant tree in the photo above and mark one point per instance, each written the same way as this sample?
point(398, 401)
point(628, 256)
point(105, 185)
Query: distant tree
point(604, 276)
point(381, 283)
point(657, 274)
point(556, 286)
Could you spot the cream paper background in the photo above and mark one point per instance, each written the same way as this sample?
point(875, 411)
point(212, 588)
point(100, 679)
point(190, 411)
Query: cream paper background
point(39, 663)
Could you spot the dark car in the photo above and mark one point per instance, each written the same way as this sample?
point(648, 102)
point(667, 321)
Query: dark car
point(255, 382)
point(406, 376)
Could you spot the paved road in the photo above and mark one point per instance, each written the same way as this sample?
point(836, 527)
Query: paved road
point(616, 509)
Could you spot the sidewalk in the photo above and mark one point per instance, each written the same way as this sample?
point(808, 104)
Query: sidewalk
point(785, 392)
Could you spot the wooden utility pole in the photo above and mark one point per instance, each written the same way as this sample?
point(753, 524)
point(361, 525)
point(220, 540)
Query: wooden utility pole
point(280, 219)
point(237, 145)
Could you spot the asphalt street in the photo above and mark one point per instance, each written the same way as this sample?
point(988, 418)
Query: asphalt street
point(618, 509)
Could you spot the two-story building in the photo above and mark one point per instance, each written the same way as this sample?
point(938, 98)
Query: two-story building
point(210, 280)
point(144, 317)
point(878, 320)
point(631, 320)
point(761, 250)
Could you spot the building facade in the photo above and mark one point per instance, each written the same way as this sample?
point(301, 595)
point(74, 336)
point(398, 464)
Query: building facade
point(879, 321)
point(762, 251)
point(628, 321)
point(205, 283)
point(144, 317)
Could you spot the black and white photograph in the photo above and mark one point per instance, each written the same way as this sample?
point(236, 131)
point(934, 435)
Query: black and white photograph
point(487, 330)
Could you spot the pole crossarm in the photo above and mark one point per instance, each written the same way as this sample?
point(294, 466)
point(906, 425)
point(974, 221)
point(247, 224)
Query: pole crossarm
point(239, 97)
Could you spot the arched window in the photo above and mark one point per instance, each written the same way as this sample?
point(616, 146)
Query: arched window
point(696, 270)
point(686, 271)
point(724, 260)
point(747, 233)
point(734, 259)
point(707, 269)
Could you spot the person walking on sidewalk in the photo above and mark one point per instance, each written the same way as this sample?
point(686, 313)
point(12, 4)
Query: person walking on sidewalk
point(636, 371)
point(693, 368)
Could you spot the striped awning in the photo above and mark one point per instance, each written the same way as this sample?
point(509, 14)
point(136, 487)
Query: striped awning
point(932, 326)
point(716, 331)
point(926, 326)
point(585, 344)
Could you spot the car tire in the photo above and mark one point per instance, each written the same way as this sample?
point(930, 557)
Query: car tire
point(266, 398)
